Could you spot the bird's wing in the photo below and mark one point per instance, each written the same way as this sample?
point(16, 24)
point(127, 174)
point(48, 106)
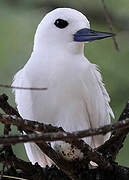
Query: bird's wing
point(96, 101)
point(17, 82)
point(104, 92)
point(33, 151)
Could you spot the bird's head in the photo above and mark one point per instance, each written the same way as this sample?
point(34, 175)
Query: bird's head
point(64, 28)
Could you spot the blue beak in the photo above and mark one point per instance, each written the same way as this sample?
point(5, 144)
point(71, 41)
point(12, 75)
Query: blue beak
point(85, 34)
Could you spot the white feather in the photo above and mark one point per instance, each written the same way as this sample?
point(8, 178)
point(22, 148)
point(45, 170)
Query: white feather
point(76, 98)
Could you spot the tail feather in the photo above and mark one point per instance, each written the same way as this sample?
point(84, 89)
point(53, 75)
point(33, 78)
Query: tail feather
point(36, 155)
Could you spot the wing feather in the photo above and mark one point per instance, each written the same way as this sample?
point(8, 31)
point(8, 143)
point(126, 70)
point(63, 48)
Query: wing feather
point(33, 151)
point(102, 86)
point(96, 102)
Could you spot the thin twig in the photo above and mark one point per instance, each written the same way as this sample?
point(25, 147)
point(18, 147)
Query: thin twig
point(22, 88)
point(53, 133)
point(60, 134)
point(90, 154)
point(26, 167)
point(4, 105)
point(115, 143)
point(108, 19)
point(66, 166)
point(29, 125)
point(45, 148)
point(64, 136)
point(12, 177)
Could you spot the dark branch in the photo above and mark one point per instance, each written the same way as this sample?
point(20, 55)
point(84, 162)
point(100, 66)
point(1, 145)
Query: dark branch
point(53, 133)
point(4, 105)
point(28, 125)
point(50, 133)
point(59, 161)
point(115, 143)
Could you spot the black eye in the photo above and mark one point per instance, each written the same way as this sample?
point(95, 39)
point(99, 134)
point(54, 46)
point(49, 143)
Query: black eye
point(60, 23)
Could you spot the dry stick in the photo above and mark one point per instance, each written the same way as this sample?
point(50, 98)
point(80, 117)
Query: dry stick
point(33, 137)
point(90, 154)
point(29, 125)
point(29, 171)
point(119, 172)
point(115, 143)
point(66, 137)
point(9, 110)
point(69, 137)
point(17, 163)
point(49, 137)
point(86, 147)
point(8, 148)
point(61, 163)
point(22, 88)
point(53, 133)
point(46, 152)
point(4, 105)
point(66, 166)
point(110, 24)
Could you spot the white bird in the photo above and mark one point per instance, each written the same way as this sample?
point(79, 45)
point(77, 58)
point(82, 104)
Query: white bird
point(76, 98)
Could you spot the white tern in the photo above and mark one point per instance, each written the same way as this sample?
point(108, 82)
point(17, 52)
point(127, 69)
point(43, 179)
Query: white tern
point(76, 98)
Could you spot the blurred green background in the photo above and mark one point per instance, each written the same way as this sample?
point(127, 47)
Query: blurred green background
point(18, 22)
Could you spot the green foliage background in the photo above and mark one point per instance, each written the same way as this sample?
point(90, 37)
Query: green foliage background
point(18, 22)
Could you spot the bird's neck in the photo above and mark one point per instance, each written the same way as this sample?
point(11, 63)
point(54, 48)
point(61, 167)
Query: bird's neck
point(73, 48)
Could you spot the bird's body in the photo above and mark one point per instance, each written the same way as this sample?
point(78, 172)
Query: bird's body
point(75, 98)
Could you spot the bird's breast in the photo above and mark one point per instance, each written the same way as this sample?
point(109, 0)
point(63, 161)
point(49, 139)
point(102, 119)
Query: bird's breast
point(64, 89)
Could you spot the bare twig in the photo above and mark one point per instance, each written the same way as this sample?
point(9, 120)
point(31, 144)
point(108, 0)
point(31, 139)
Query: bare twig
point(22, 88)
point(115, 143)
point(66, 166)
point(4, 105)
point(96, 157)
point(59, 161)
point(27, 170)
point(17, 163)
point(90, 154)
point(28, 125)
point(53, 133)
point(60, 135)
point(110, 24)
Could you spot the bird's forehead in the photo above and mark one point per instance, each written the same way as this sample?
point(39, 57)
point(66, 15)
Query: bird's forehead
point(66, 14)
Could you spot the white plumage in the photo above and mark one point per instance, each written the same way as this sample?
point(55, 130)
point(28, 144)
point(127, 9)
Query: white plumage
point(76, 98)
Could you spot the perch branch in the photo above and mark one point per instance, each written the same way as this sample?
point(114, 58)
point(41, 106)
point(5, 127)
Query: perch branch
point(4, 105)
point(53, 133)
point(95, 155)
point(27, 124)
point(115, 143)
point(61, 163)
